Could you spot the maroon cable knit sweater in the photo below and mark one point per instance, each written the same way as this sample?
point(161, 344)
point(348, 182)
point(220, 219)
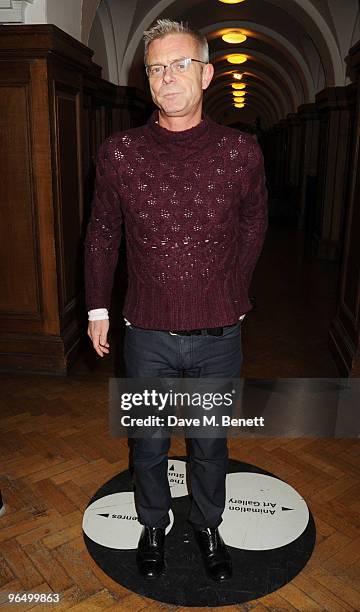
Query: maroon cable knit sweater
point(194, 205)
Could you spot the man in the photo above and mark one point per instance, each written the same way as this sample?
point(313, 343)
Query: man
point(192, 196)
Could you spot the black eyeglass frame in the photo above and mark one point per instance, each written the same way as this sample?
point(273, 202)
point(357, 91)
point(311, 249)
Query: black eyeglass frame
point(189, 60)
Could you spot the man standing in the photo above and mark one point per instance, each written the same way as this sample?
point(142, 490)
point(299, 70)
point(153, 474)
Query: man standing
point(192, 196)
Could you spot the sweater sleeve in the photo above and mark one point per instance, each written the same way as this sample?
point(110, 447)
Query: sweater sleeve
point(253, 210)
point(103, 234)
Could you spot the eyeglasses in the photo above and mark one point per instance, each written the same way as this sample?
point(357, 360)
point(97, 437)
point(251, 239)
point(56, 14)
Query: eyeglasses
point(177, 67)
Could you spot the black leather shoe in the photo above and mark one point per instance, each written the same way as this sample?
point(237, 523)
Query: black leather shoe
point(216, 558)
point(150, 552)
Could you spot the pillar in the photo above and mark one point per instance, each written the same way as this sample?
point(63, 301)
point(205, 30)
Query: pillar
point(344, 335)
point(333, 105)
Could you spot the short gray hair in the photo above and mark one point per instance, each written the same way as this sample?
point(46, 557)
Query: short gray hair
point(162, 27)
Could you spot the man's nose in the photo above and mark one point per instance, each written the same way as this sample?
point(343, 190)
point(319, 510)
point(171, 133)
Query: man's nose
point(168, 75)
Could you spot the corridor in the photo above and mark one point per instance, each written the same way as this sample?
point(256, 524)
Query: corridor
point(286, 335)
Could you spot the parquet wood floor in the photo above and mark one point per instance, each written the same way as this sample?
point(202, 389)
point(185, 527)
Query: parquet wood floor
point(55, 452)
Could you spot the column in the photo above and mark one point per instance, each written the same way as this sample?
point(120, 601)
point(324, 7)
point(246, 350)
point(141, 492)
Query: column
point(344, 335)
point(334, 107)
point(310, 124)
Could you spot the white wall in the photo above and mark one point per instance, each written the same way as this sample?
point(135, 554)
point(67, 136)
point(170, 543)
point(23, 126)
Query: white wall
point(344, 16)
point(113, 24)
point(89, 9)
point(356, 32)
point(122, 17)
point(313, 61)
point(66, 14)
point(36, 12)
point(98, 44)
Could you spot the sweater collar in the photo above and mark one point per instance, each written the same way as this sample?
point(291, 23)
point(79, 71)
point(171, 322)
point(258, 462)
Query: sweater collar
point(163, 135)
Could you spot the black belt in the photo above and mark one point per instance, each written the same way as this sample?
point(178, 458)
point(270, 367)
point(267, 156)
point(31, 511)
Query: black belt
point(212, 331)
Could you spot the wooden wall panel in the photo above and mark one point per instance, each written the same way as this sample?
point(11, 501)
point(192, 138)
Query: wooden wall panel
point(20, 286)
point(352, 278)
point(321, 176)
point(68, 172)
point(335, 106)
point(310, 125)
point(55, 110)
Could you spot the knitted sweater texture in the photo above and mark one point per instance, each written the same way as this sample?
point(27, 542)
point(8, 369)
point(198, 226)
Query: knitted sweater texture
point(194, 208)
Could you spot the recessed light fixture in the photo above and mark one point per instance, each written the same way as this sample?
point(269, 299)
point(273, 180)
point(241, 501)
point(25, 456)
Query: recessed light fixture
point(236, 58)
point(238, 76)
point(234, 37)
point(239, 105)
point(238, 85)
point(231, 1)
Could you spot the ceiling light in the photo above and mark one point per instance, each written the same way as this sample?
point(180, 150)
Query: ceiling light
point(238, 85)
point(233, 37)
point(239, 105)
point(236, 58)
point(231, 1)
point(238, 76)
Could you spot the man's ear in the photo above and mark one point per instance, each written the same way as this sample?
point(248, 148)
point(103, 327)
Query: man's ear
point(207, 75)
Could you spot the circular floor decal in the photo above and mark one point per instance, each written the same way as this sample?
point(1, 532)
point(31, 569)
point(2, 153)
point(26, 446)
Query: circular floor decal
point(261, 512)
point(268, 549)
point(112, 521)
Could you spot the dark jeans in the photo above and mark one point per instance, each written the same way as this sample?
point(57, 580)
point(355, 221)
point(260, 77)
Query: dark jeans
point(154, 354)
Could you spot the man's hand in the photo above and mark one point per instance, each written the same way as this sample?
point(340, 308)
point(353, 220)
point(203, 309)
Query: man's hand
point(97, 331)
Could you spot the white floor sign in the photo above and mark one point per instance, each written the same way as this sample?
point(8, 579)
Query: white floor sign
point(261, 512)
point(177, 478)
point(112, 521)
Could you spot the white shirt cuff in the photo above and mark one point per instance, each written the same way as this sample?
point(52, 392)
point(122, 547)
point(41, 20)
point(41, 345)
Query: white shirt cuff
point(98, 314)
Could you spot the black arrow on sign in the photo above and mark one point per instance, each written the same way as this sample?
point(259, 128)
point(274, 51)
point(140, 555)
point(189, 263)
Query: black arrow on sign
point(106, 515)
point(282, 508)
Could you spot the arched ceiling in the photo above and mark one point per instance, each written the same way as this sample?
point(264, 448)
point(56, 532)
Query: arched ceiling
point(292, 49)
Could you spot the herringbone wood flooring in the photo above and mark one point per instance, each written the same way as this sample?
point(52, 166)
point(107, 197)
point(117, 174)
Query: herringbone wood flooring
point(55, 452)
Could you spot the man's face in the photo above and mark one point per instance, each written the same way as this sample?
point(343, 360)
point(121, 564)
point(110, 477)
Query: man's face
point(177, 95)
